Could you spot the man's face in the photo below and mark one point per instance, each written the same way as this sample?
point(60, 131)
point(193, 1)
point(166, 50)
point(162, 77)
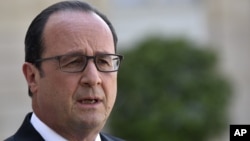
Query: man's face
point(75, 100)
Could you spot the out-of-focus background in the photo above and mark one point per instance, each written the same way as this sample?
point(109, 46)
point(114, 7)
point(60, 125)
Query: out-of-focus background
point(223, 24)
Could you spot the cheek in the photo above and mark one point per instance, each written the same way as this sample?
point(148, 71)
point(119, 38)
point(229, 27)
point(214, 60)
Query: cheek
point(110, 88)
point(56, 90)
point(59, 88)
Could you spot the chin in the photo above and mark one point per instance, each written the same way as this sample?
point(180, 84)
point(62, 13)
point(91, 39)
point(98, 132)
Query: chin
point(93, 121)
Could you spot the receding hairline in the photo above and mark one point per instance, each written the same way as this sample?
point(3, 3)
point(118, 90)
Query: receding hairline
point(61, 13)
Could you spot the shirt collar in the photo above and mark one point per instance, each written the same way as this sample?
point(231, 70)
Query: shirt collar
point(46, 132)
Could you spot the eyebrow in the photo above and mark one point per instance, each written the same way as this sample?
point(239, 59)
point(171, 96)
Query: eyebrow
point(83, 53)
point(75, 53)
point(103, 52)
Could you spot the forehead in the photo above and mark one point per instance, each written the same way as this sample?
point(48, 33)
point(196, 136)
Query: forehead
point(74, 28)
point(69, 17)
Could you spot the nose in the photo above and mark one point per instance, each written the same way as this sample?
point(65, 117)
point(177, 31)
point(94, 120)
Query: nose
point(90, 75)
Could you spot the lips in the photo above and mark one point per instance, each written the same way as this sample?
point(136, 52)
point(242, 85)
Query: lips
point(89, 100)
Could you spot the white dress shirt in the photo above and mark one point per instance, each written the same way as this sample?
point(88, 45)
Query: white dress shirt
point(46, 132)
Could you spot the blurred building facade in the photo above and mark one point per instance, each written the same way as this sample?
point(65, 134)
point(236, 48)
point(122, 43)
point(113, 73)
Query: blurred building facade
point(224, 23)
point(229, 22)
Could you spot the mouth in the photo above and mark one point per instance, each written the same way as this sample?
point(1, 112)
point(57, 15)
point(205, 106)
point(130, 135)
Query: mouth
point(89, 101)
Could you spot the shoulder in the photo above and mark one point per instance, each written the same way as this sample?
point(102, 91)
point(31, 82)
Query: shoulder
point(107, 137)
point(10, 139)
point(26, 132)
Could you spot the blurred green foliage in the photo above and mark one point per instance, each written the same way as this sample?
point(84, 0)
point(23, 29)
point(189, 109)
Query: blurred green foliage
point(169, 90)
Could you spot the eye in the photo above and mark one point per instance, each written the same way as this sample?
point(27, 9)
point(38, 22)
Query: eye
point(104, 61)
point(107, 62)
point(72, 61)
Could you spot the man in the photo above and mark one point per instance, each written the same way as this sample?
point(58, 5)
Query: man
point(71, 70)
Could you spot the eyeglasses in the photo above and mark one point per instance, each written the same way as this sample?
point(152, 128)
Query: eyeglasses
point(77, 63)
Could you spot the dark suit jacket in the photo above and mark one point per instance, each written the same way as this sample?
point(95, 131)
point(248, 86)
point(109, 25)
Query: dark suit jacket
point(28, 133)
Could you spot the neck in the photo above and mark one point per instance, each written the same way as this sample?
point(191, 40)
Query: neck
point(79, 135)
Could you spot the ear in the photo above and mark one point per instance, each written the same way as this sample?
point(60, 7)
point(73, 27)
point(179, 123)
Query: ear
point(32, 76)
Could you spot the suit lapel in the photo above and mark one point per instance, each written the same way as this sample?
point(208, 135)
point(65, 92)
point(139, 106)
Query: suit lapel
point(106, 137)
point(27, 132)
